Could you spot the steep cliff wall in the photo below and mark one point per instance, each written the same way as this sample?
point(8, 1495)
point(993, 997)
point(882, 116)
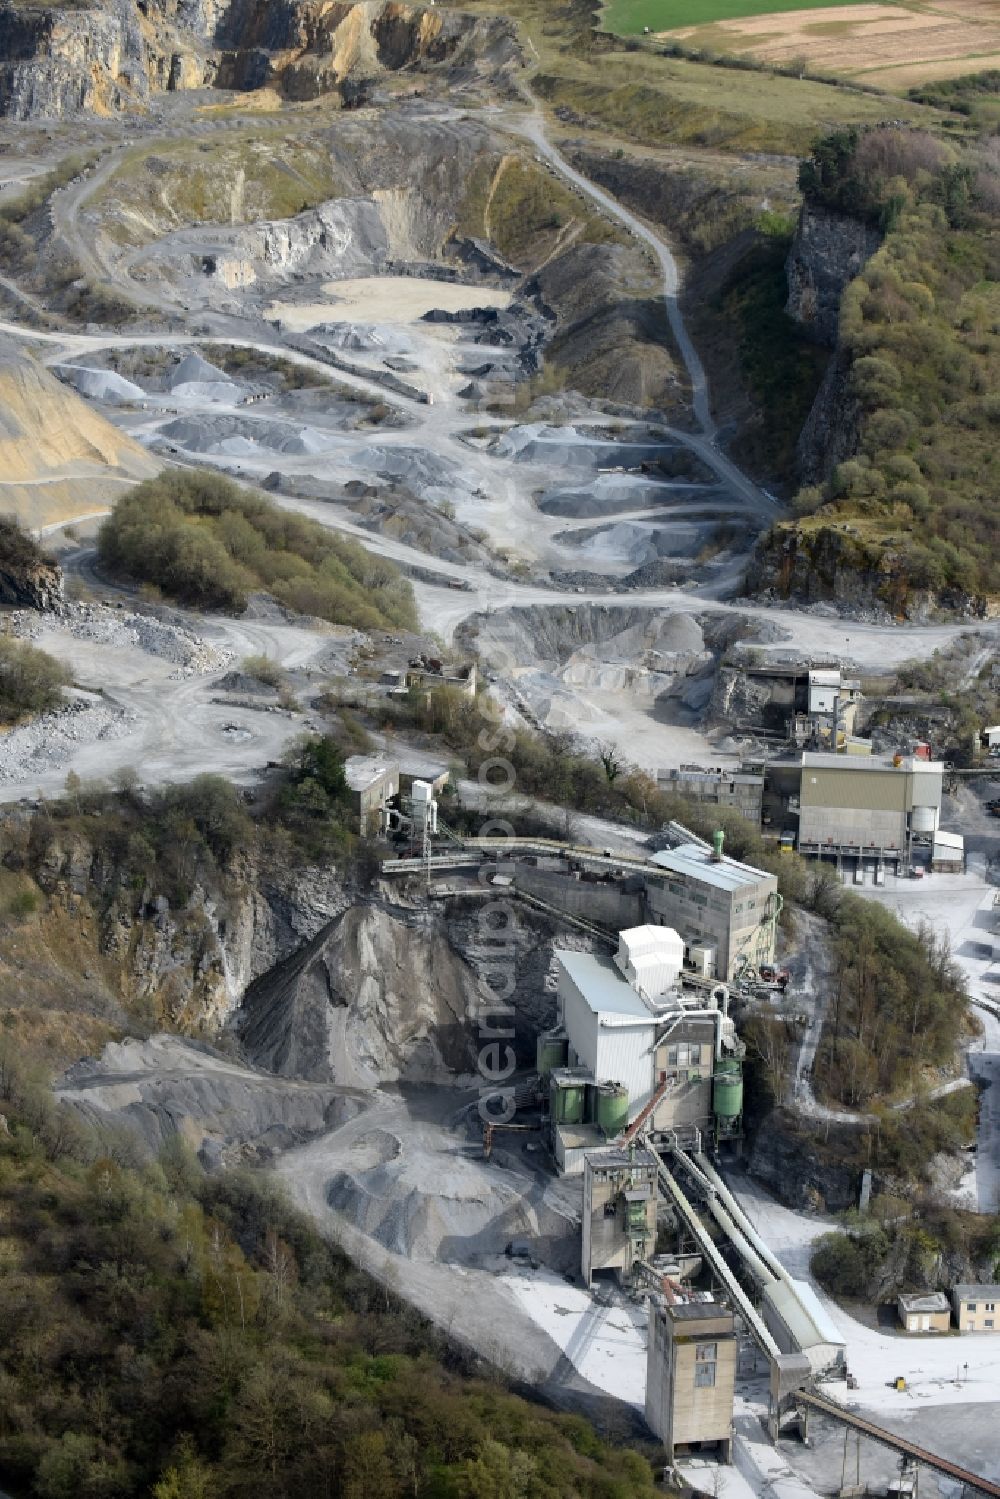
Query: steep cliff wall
point(57, 62)
point(828, 251)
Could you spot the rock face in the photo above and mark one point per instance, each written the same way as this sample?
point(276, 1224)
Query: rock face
point(29, 578)
point(373, 998)
point(183, 965)
point(58, 61)
point(792, 1166)
point(828, 251)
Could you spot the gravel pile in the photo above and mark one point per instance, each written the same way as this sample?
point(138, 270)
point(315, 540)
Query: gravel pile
point(52, 739)
point(119, 627)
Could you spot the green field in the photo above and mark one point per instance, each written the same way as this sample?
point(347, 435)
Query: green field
point(629, 17)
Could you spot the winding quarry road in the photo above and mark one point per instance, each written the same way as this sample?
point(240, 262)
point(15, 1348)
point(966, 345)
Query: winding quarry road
point(448, 592)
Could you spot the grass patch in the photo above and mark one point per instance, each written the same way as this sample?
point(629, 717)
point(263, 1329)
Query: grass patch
point(631, 17)
point(660, 101)
point(242, 180)
point(526, 212)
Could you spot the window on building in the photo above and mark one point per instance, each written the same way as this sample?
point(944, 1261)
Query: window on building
point(971, 1307)
point(684, 1054)
point(987, 1321)
point(991, 1306)
point(611, 1209)
point(706, 1355)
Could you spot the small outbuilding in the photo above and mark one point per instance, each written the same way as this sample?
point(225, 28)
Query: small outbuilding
point(948, 853)
point(976, 1308)
point(924, 1311)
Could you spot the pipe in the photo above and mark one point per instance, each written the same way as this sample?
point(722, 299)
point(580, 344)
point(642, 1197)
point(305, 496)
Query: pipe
point(750, 1315)
point(774, 1265)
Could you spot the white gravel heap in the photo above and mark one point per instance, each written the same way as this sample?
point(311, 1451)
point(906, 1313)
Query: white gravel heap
point(55, 737)
point(193, 655)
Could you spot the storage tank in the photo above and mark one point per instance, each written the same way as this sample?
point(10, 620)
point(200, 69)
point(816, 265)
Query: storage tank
point(550, 1052)
point(924, 819)
point(612, 1109)
point(727, 1091)
point(569, 1103)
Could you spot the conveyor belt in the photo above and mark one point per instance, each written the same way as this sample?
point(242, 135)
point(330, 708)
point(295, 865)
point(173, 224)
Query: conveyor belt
point(901, 1445)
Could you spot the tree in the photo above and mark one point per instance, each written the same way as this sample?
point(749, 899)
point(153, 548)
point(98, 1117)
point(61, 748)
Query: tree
point(187, 1477)
point(612, 762)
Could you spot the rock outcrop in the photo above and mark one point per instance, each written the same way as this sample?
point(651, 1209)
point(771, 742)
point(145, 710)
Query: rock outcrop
point(29, 577)
point(828, 251)
point(57, 61)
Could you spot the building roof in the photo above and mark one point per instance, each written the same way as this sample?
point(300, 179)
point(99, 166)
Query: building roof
point(602, 986)
point(954, 841)
point(696, 863)
point(803, 1314)
point(823, 678)
point(828, 760)
point(363, 771)
point(923, 1301)
point(622, 1157)
point(976, 1293)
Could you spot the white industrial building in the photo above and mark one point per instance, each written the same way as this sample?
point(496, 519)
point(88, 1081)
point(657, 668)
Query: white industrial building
point(631, 1045)
point(609, 1027)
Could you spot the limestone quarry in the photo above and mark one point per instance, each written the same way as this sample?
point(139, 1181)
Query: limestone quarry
point(355, 259)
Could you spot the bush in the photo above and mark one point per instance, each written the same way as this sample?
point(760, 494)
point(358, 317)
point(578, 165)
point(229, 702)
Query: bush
point(31, 681)
point(210, 543)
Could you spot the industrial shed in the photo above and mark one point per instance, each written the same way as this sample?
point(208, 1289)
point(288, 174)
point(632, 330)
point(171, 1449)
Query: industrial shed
point(799, 1323)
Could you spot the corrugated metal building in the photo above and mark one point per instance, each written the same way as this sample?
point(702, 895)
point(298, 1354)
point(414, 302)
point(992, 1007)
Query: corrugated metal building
point(799, 1322)
point(867, 806)
point(610, 1029)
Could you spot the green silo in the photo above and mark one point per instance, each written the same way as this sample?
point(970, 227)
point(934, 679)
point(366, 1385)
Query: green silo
point(612, 1109)
point(569, 1101)
point(550, 1052)
point(727, 1092)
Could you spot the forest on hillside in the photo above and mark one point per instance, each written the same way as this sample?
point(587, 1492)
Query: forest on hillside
point(920, 329)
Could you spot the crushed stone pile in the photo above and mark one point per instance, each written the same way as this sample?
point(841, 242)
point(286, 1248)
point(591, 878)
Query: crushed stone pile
point(52, 739)
point(117, 627)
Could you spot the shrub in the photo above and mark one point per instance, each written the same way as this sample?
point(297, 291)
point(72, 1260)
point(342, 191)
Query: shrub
point(210, 543)
point(31, 681)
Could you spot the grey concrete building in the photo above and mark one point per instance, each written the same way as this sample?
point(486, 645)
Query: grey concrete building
point(372, 784)
point(691, 1375)
point(740, 790)
point(718, 904)
point(619, 1210)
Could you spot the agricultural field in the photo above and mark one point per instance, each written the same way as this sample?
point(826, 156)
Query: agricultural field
point(894, 46)
point(630, 17)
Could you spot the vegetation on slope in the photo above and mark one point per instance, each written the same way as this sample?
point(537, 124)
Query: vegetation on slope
point(528, 213)
point(916, 506)
point(781, 369)
point(265, 173)
point(191, 1337)
point(210, 543)
point(902, 1247)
